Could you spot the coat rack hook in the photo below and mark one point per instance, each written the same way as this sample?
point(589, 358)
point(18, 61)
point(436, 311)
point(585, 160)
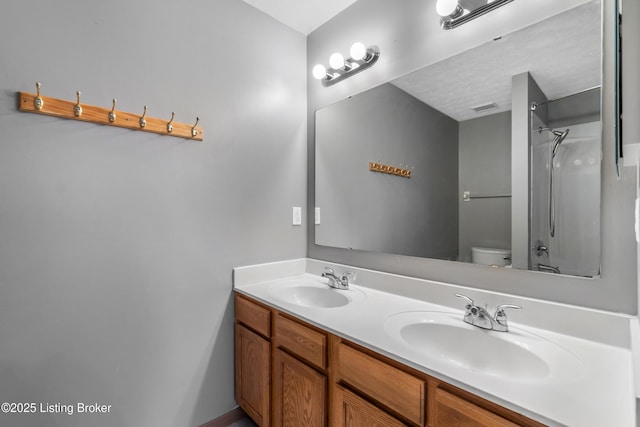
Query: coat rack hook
point(112, 113)
point(194, 131)
point(143, 121)
point(38, 102)
point(169, 125)
point(77, 109)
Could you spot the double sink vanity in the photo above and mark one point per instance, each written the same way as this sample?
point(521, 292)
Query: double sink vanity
point(382, 349)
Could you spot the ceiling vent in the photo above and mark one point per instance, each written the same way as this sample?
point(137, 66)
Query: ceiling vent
point(485, 107)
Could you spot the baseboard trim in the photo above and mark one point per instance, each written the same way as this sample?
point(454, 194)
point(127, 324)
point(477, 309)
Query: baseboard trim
point(227, 419)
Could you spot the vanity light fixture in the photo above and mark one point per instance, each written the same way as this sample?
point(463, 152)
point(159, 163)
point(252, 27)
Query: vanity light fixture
point(449, 8)
point(456, 12)
point(361, 58)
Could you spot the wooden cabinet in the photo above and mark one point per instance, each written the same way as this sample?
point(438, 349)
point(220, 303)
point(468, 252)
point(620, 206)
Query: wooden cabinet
point(253, 363)
point(299, 374)
point(450, 406)
point(253, 359)
point(253, 315)
point(353, 411)
point(290, 373)
point(393, 388)
point(300, 393)
point(301, 340)
point(454, 411)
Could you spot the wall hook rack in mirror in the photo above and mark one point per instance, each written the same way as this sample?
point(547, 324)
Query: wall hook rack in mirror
point(391, 170)
point(35, 103)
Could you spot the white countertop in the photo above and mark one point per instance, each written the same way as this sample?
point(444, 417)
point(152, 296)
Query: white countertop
point(599, 393)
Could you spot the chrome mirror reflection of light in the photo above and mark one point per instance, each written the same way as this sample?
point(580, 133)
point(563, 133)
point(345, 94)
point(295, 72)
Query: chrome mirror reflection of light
point(361, 58)
point(457, 12)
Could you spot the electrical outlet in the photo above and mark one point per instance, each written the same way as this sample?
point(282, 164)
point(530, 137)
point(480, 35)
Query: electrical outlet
point(297, 215)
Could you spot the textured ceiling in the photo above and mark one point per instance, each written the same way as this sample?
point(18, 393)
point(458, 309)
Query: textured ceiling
point(562, 53)
point(301, 15)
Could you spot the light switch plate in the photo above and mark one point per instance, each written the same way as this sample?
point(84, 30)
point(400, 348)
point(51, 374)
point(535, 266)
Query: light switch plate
point(297, 215)
point(317, 216)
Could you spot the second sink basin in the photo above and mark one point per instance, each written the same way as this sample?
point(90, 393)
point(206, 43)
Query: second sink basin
point(513, 355)
point(314, 294)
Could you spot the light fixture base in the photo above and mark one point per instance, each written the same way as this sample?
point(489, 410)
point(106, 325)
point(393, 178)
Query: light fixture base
point(450, 22)
point(352, 66)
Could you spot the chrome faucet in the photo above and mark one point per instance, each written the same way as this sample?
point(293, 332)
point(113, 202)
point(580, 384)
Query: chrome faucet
point(480, 317)
point(548, 268)
point(540, 248)
point(335, 281)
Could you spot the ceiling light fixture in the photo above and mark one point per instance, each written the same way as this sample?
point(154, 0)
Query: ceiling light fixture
point(361, 58)
point(457, 12)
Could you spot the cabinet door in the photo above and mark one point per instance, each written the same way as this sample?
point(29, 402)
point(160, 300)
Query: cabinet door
point(299, 393)
point(353, 411)
point(453, 411)
point(253, 364)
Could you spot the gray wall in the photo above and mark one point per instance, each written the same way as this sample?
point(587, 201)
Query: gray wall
point(410, 38)
point(374, 211)
point(485, 169)
point(575, 109)
point(116, 246)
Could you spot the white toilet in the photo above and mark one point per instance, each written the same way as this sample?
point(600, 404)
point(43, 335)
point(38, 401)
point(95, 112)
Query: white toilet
point(491, 256)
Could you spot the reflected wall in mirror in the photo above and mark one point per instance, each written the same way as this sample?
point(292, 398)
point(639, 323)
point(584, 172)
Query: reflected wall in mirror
point(472, 129)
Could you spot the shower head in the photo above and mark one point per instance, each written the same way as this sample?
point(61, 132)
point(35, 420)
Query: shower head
point(559, 137)
point(560, 134)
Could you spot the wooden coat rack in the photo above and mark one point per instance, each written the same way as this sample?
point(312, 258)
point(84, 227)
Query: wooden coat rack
point(34, 103)
point(391, 170)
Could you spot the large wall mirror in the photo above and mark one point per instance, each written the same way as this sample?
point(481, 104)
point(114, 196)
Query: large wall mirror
point(459, 126)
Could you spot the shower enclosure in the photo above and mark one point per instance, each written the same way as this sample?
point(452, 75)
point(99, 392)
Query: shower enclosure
point(565, 194)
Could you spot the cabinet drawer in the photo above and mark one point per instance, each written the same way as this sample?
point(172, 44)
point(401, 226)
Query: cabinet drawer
point(253, 315)
point(395, 389)
point(301, 340)
point(451, 410)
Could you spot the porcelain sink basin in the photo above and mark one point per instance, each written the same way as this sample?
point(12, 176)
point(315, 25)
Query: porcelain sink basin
point(516, 355)
point(315, 294)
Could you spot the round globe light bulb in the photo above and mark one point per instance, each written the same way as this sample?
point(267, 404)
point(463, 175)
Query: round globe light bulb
point(446, 7)
point(358, 51)
point(336, 61)
point(319, 71)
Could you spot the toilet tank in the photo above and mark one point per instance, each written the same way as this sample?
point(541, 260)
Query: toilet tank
point(491, 256)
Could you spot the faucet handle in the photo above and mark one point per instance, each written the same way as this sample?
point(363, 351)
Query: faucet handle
point(466, 298)
point(472, 309)
point(349, 275)
point(500, 318)
point(329, 270)
point(501, 307)
point(500, 314)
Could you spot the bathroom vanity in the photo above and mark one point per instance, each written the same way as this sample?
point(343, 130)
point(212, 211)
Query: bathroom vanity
point(307, 354)
point(318, 377)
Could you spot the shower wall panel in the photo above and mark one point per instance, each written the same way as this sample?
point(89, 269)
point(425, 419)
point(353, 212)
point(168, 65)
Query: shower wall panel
point(575, 248)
